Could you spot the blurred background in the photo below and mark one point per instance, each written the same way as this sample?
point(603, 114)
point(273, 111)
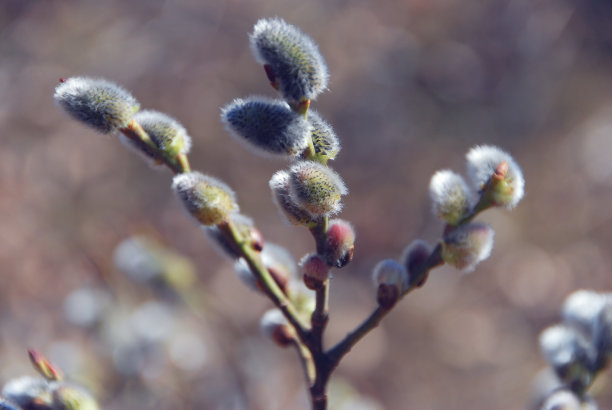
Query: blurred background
point(414, 84)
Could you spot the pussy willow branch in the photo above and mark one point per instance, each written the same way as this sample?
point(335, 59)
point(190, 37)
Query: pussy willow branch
point(180, 164)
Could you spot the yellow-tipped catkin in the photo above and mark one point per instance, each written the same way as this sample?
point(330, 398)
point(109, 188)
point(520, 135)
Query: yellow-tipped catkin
point(496, 171)
point(293, 213)
point(324, 139)
point(98, 103)
point(316, 188)
point(207, 199)
point(468, 245)
point(449, 195)
point(292, 60)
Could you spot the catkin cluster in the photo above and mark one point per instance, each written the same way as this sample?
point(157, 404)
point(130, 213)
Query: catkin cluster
point(576, 350)
point(308, 193)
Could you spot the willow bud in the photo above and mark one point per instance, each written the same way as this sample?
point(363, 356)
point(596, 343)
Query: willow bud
point(101, 104)
point(339, 243)
point(496, 172)
point(316, 271)
point(414, 256)
point(582, 308)
point(390, 278)
point(207, 199)
point(324, 139)
point(268, 125)
point(292, 60)
point(27, 392)
point(293, 213)
point(449, 195)
point(316, 188)
point(569, 354)
point(167, 134)
point(468, 245)
point(275, 326)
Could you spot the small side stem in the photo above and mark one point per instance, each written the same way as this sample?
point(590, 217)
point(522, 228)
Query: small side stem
point(336, 353)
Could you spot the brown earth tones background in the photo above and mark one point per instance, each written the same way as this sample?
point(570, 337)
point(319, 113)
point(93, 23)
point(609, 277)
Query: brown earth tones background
point(414, 84)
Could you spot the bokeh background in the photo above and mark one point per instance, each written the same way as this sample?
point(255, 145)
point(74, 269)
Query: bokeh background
point(414, 84)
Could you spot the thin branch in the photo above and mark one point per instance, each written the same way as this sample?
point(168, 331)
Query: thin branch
point(253, 259)
point(306, 360)
point(336, 353)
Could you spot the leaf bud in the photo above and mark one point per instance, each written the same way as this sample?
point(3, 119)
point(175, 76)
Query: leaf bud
point(449, 195)
point(44, 367)
point(275, 326)
point(569, 354)
point(268, 125)
point(390, 278)
point(468, 245)
point(316, 271)
point(316, 188)
point(339, 243)
point(293, 213)
point(496, 173)
point(291, 59)
point(324, 139)
point(207, 199)
point(101, 104)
